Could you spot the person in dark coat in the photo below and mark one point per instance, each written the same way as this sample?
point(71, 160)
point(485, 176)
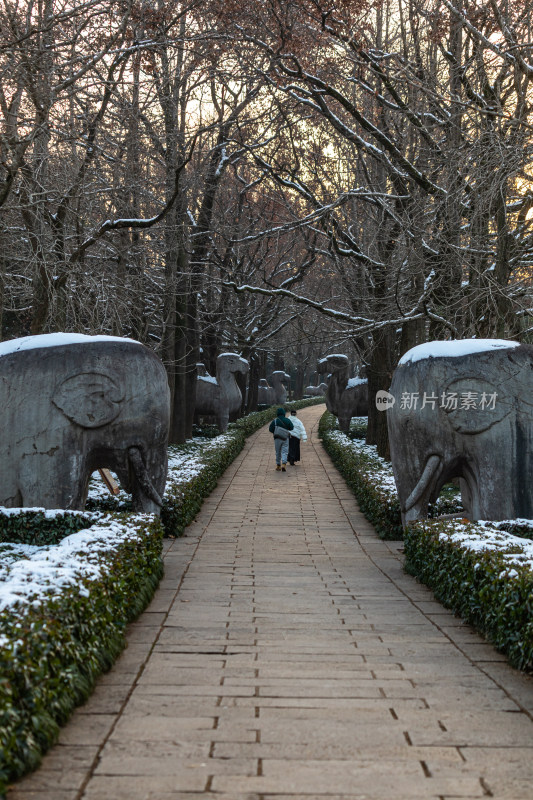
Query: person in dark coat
point(280, 427)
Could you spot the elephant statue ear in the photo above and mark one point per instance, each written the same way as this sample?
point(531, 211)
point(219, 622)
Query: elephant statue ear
point(89, 399)
point(474, 405)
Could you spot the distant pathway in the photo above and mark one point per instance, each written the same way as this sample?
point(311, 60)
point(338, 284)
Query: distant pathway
point(286, 656)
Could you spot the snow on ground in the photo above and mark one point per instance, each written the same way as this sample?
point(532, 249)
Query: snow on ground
point(184, 463)
point(454, 348)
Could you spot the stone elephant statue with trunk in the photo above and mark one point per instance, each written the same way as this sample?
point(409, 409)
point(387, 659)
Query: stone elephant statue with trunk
point(345, 397)
point(73, 404)
point(464, 409)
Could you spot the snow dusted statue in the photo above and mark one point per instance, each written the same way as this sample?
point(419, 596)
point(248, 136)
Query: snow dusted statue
point(265, 393)
point(221, 396)
point(345, 397)
point(316, 391)
point(279, 378)
point(467, 414)
point(74, 403)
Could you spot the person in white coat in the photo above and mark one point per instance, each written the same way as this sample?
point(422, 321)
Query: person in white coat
point(298, 434)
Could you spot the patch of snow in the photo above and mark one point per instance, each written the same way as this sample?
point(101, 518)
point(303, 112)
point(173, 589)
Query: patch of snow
point(455, 348)
point(39, 572)
point(207, 379)
point(55, 340)
point(514, 550)
point(343, 356)
point(356, 382)
point(49, 513)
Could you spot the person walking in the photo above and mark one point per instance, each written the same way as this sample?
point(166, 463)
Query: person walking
point(280, 427)
point(297, 435)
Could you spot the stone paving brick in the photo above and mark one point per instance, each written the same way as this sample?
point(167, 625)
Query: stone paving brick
point(297, 661)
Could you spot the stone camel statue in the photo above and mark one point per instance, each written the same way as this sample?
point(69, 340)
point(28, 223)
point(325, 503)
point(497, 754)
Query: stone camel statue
point(265, 393)
point(221, 396)
point(345, 397)
point(278, 379)
point(316, 391)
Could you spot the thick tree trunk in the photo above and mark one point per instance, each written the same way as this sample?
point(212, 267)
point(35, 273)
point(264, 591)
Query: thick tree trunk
point(253, 383)
point(379, 372)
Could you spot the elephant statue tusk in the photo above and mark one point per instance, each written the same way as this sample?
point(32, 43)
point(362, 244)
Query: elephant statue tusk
point(139, 469)
point(432, 464)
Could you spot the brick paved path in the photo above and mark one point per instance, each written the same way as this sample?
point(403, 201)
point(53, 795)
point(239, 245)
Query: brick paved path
point(287, 656)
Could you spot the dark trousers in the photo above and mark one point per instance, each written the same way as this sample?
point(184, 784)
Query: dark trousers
point(294, 449)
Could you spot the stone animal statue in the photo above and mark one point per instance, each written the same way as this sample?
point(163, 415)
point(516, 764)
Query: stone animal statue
point(345, 397)
point(73, 404)
point(221, 396)
point(316, 391)
point(278, 380)
point(464, 410)
point(265, 393)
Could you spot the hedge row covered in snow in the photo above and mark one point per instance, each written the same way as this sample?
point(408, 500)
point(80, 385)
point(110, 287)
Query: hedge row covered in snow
point(368, 476)
point(482, 573)
point(371, 479)
point(65, 601)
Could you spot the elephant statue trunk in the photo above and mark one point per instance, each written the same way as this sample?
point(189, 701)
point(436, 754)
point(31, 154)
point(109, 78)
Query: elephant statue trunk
point(464, 409)
point(143, 478)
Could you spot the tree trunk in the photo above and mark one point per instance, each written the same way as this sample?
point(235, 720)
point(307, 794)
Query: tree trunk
point(379, 372)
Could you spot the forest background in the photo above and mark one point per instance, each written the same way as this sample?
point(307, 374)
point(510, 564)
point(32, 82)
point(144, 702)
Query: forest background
point(280, 179)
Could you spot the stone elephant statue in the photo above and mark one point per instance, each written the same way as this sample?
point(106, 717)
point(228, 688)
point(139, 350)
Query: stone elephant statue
point(345, 397)
point(73, 404)
point(221, 396)
point(464, 410)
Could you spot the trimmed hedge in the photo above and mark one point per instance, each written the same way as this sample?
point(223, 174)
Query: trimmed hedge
point(56, 642)
point(483, 575)
point(371, 479)
point(182, 501)
point(381, 508)
point(39, 528)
